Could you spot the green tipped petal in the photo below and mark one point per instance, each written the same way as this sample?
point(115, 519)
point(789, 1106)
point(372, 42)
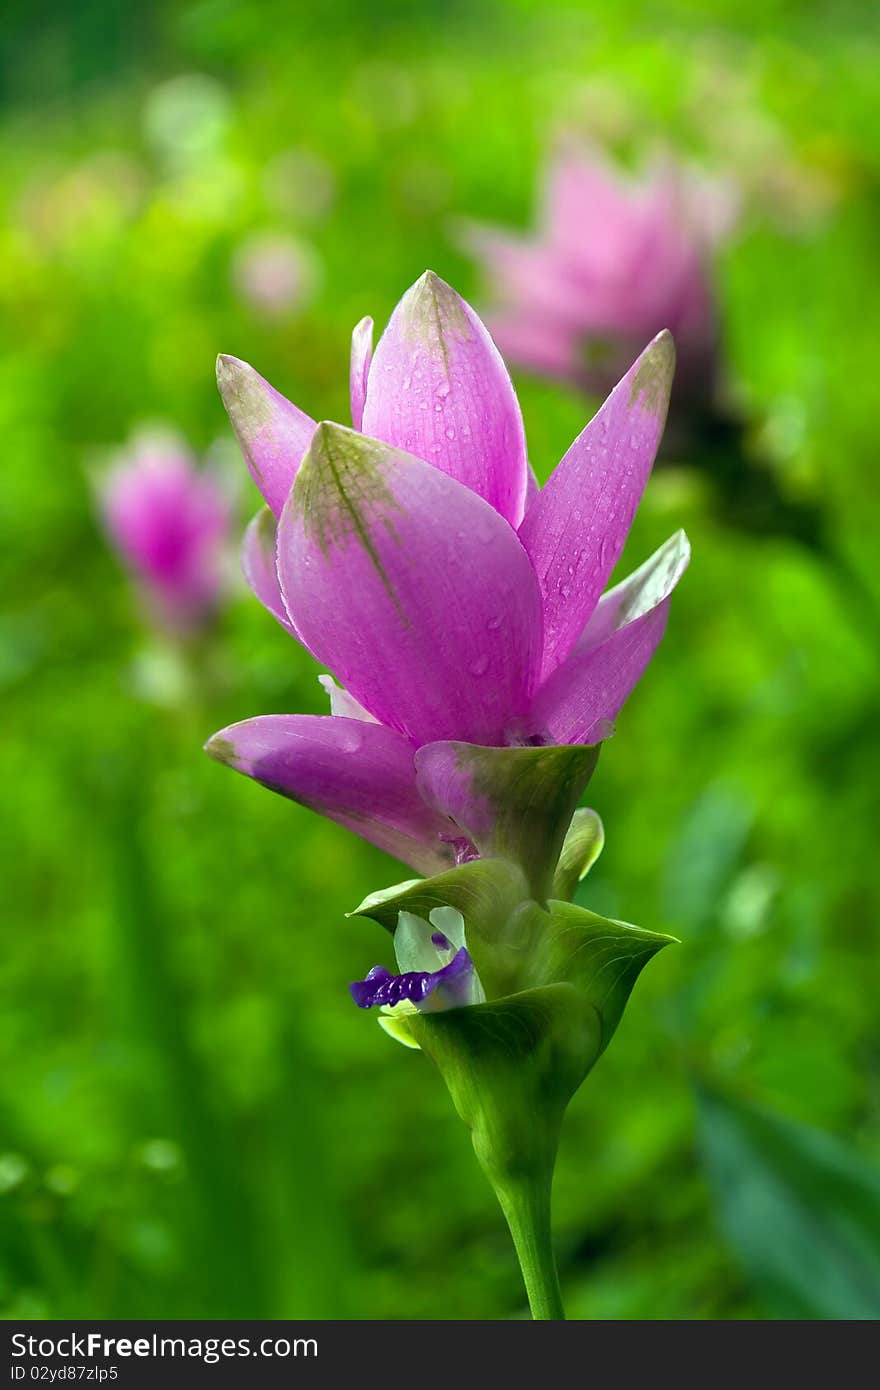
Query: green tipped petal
point(582, 846)
point(512, 803)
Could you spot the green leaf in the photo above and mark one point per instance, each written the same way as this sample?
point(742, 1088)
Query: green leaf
point(800, 1209)
point(511, 1067)
point(603, 958)
point(581, 848)
point(512, 803)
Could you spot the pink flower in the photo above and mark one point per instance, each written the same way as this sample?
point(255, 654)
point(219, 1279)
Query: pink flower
point(456, 603)
point(275, 274)
point(167, 521)
point(615, 259)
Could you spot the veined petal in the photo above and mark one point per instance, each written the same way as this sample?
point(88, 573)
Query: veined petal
point(258, 566)
point(615, 647)
point(361, 355)
point(411, 588)
point(575, 529)
point(635, 596)
point(358, 774)
point(439, 389)
point(273, 433)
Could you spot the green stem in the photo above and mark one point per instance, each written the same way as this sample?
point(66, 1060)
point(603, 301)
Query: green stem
point(526, 1206)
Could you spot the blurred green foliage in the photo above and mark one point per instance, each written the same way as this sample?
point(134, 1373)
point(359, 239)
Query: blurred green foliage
point(194, 1120)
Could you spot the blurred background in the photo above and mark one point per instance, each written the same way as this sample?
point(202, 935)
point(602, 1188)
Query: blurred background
point(194, 1119)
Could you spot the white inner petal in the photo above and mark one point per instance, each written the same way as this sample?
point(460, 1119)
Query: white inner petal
point(450, 922)
point(413, 944)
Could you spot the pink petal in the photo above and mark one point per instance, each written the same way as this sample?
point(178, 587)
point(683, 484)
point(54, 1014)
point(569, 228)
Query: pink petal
point(439, 389)
point(358, 774)
point(411, 588)
point(258, 566)
point(168, 521)
point(533, 487)
point(361, 355)
point(532, 281)
point(273, 434)
point(575, 529)
point(586, 207)
point(589, 689)
point(539, 342)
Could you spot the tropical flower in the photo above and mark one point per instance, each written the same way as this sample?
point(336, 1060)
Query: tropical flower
point(461, 609)
point(455, 601)
point(167, 520)
point(616, 257)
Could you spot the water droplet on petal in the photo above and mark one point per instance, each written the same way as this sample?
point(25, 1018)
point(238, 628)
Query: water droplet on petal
point(480, 666)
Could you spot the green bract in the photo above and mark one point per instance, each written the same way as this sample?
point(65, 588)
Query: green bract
point(556, 976)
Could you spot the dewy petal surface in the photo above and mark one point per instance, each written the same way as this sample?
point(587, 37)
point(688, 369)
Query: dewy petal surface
point(273, 434)
point(439, 389)
point(615, 647)
point(410, 588)
point(358, 774)
point(361, 356)
point(575, 529)
point(258, 566)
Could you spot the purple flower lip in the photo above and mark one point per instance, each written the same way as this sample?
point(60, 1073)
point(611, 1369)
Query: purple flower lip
point(382, 988)
point(462, 848)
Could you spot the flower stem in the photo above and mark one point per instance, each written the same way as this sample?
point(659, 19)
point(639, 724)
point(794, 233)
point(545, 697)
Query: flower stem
point(526, 1205)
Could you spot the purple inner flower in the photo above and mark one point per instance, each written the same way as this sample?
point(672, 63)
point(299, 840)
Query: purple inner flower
point(381, 987)
point(463, 848)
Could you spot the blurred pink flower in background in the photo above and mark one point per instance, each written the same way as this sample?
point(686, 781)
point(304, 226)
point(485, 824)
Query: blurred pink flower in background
point(299, 183)
point(616, 257)
point(168, 521)
point(275, 274)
